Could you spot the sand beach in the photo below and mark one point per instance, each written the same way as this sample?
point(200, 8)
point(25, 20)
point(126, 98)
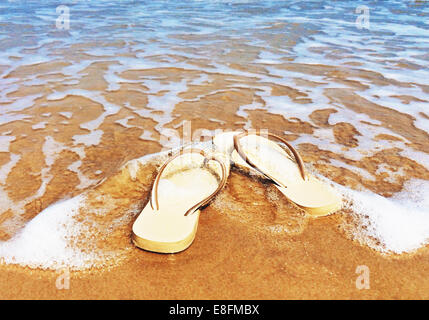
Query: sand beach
point(90, 109)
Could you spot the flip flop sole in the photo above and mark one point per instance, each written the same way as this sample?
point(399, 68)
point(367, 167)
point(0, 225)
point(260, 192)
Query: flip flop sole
point(165, 246)
point(324, 208)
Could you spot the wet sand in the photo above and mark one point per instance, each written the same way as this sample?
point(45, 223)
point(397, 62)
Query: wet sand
point(80, 107)
point(251, 242)
point(232, 259)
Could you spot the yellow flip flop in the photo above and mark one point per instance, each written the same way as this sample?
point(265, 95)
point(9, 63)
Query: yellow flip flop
point(284, 166)
point(185, 183)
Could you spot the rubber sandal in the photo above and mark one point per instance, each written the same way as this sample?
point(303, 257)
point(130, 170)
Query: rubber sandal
point(184, 184)
point(282, 165)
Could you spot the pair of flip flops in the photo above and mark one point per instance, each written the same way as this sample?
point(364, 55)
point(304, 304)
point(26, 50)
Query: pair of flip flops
point(192, 178)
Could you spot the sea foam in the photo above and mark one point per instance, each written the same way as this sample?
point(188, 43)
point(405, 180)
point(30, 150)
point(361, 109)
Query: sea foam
point(44, 241)
point(398, 224)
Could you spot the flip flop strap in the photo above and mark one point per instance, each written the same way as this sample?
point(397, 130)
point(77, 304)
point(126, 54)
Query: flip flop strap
point(295, 153)
point(154, 193)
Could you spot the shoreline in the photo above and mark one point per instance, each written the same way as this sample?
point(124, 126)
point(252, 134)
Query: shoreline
point(84, 115)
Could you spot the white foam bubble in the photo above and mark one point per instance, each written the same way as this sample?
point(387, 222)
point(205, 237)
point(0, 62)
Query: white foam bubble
point(91, 139)
point(5, 142)
point(399, 224)
point(40, 125)
point(84, 180)
point(44, 241)
point(66, 114)
point(124, 122)
point(359, 171)
point(51, 149)
point(147, 135)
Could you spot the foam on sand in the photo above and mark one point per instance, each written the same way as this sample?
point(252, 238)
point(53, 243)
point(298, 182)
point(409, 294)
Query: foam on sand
point(91, 139)
point(51, 239)
point(44, 241)
point(392, 225)
point(5, 142)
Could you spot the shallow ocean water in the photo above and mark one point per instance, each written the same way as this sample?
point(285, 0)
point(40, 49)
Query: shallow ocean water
point(78, 104)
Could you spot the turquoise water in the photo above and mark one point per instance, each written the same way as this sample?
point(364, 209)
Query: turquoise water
point(260, 33)
point(397, 29)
